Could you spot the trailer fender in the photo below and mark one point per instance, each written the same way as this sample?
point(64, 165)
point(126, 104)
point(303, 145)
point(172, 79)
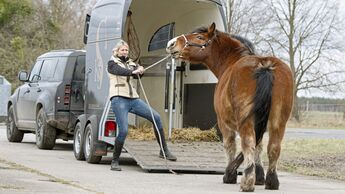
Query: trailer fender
point(82, 120)
point(100, 148)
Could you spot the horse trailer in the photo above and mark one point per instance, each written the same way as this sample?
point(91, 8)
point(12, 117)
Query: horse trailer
point(147, 26)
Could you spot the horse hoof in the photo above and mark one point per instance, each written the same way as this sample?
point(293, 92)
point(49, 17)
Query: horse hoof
point(259, 181)
point(259, 175)
point(247, 189)
point(272, 182)
point(247, 183)
point(271, 187)
point(230, 178)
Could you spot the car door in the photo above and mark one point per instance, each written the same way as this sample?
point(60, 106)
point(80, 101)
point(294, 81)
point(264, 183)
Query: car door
point(24, 103)
point(78, 81)
point(43, 85)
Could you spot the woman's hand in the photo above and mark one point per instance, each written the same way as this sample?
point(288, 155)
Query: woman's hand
point(139, 70)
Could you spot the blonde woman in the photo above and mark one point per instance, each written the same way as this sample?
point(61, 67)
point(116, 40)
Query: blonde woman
point(124, 99)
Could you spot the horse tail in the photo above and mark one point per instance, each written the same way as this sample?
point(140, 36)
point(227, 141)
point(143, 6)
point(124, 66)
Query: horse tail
point(262, 100)
point(262, 107)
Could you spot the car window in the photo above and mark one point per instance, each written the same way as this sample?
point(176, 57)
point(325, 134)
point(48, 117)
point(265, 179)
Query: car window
point(79, 70)
point(35, 70)
point(48, 69)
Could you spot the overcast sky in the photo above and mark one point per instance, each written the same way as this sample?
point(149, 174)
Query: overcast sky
point(342, 5)
point(317, 93)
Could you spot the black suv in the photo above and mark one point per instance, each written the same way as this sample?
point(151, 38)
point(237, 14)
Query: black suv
point(50, 100)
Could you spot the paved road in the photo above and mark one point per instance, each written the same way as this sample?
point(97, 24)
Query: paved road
point(26, 169)
point(315, 133)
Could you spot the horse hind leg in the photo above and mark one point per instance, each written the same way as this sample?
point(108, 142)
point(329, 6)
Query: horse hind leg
point(248, 144)
point(259, 170)
point(229, 141)
point(273, 151)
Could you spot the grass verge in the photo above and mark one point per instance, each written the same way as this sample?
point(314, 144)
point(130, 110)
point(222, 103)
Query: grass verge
point(314, 157)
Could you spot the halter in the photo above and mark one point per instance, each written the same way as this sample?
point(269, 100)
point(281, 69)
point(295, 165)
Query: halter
point(202, 46)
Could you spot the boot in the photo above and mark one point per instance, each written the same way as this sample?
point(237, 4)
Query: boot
point(116, 155)
point(168, 154)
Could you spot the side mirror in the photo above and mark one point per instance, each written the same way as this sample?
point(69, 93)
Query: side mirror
point(23, 76)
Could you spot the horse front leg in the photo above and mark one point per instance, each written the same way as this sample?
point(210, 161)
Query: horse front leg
point(248, 143)
point(273, 151)
point(259, 170)
point(229, 142)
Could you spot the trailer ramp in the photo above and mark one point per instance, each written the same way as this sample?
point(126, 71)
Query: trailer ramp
point(202, 157)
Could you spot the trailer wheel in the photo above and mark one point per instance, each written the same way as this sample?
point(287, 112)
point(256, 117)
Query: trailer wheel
point(13, 133)
point(89, 149)
point(77, 143)
point(45, 134)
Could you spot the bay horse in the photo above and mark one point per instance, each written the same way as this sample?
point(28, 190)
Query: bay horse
point(253, 93)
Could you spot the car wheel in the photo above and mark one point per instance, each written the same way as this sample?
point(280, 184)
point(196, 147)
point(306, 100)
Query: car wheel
point(13, 133)
point(45, 134)
point(89, 150)
point(77, 143)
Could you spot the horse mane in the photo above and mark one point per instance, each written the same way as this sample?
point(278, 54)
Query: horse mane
point(247, 43)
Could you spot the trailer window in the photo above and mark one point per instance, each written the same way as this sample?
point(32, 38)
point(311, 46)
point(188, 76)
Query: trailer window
point(161, 37)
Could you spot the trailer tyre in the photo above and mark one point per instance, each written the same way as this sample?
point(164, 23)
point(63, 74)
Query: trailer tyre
point(78, 143)
point(45, 134)
point(13, 133)
point(89, 149)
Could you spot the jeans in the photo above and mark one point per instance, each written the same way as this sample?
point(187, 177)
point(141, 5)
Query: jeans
point(122, 106)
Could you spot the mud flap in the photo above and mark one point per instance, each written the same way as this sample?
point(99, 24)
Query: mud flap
point(100, 148)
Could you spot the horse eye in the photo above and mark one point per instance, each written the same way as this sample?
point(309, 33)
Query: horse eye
point(200, 37)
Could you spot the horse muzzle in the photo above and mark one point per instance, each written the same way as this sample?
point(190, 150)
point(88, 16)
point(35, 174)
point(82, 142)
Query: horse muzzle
point(171, 48)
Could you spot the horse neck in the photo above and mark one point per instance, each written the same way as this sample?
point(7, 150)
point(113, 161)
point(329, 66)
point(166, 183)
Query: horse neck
point(226, 53)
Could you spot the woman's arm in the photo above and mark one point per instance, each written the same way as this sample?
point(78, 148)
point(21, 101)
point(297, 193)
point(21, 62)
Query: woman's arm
point(116, 69)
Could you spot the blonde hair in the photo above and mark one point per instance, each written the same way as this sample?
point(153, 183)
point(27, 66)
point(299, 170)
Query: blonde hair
point(118, 45)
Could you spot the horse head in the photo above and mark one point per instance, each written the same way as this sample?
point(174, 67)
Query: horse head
point(215, 49)
point(194, 47)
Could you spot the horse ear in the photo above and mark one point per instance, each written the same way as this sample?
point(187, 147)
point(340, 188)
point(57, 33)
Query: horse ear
point(211, 29)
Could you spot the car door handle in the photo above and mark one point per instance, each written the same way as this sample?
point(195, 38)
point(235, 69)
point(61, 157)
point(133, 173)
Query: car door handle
point(39, 90)
point(27, 91)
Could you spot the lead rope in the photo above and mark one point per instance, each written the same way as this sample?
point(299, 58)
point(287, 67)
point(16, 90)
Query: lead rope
point(153, 118)
point(156, 63)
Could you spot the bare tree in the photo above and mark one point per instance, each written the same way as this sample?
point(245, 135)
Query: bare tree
point(241, 18)
point(62, 21)
point(303, 33)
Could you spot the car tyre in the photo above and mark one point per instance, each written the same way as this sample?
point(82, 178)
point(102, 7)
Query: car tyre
point(45, 134)
point(89, 149)
point(78, 143)
point(13, 133)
